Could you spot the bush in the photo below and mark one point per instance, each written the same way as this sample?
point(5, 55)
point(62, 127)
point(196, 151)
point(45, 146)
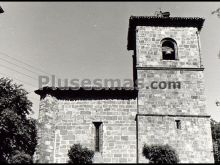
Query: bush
point(80, 155)
point(21, 158)
point(160, 154)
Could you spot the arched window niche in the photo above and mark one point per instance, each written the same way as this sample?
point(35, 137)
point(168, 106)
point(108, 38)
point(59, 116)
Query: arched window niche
point(169, 49)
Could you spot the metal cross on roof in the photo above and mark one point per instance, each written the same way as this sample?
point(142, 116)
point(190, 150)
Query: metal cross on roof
point(162, 14)
point(217, 11)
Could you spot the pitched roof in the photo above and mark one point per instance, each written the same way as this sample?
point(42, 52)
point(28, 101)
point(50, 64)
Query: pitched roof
point(160, 21)
point(71, 93)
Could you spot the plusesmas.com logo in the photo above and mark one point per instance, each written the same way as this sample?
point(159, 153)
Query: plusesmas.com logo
point(129, 84)
point(164, 85)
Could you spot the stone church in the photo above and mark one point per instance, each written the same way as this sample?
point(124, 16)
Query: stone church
point(116, 123)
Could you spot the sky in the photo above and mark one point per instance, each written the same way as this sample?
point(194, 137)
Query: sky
point(89, 40)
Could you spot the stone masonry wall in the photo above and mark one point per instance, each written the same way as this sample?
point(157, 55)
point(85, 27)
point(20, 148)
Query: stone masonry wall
point(188, 100)
point(63, 123)
point(149, 51)
point(74, 124)
point(192, 142)
point(46, 130)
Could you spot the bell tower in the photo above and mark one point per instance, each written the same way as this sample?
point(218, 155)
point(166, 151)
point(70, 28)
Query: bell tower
point(171, 100)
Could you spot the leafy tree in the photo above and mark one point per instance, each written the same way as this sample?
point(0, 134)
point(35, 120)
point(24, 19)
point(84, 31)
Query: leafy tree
point(162, 154)
point(215, 126)
point(21, 157)
point(80, 155)
point(17, 131)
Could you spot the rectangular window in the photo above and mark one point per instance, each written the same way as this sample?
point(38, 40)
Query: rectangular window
point(178, 124)
point(97, 135)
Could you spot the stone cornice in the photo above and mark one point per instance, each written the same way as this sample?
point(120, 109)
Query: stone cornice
point(170, 115)
point(169, 68)
point(71, 93)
